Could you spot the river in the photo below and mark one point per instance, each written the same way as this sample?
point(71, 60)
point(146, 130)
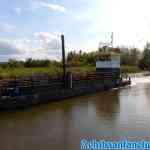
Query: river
point(116, 114)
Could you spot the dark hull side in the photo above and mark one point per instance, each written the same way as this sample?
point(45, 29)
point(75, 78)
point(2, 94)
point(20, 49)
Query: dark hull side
point(25, 101)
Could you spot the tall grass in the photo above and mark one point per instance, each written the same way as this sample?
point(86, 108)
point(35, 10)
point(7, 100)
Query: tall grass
point(54, 70)
point(130, 69)
point(20, 72)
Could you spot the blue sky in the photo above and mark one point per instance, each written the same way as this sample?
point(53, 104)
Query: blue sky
point(32, 28)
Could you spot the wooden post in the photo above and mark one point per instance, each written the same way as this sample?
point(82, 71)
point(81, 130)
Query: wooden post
point(63, 60)
point(71, 80)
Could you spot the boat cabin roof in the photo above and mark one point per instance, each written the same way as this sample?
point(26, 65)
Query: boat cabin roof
point(107, 56)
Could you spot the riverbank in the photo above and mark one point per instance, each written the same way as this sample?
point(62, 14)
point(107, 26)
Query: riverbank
point(55, 70)
point(130, 69)
point(41, 95)
point(34, 90)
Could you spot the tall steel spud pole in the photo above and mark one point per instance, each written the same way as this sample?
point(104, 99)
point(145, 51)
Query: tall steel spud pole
point(63, 60)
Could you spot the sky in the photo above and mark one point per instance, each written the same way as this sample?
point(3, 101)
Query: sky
point(32, 28)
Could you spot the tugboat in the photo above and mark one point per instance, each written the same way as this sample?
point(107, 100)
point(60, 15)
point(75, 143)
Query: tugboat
point(108, 69)
point(42, 89)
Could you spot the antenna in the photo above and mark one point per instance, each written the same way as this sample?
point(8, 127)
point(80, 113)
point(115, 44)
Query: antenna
point(63, 59)
point(112, 39)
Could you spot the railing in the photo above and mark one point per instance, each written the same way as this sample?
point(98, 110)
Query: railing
point(47, 81)
point(28, 85)
point(27, 82)
point(35, 83)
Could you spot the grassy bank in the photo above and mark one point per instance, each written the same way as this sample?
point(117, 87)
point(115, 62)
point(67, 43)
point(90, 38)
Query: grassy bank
point(53, 70)
point(19, 72)
point(130, 69)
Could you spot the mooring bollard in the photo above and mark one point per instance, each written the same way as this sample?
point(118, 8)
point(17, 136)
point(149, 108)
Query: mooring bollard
point(69, 80)
point(129, 80)
point(17, 91)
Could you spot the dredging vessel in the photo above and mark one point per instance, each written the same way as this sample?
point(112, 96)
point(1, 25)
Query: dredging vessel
point(40, 88)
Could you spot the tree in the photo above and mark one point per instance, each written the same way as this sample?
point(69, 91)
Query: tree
point(134, 56)
point(145, 61)
point(130, 57)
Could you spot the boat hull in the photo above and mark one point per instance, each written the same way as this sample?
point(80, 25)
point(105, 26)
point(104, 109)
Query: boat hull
point(25, 101)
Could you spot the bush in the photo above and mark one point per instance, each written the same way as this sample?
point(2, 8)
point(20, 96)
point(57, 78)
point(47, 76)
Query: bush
point(129, 69)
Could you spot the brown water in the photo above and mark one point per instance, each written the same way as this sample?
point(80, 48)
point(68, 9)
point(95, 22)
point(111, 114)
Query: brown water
point(60, 125)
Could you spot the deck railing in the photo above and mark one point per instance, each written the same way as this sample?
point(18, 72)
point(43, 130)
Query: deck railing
point(36, 82)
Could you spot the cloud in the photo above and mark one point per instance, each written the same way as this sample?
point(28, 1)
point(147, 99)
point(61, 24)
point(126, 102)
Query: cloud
point(129, 20)
point(8, 48)
point(48, 40)
point(42, 45)
point(54, 7)
point(5, 27)
point(51, 7)
point(19, 50)
point(18, 10)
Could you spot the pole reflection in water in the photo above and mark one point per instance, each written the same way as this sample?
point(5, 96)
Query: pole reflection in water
point(60, 125)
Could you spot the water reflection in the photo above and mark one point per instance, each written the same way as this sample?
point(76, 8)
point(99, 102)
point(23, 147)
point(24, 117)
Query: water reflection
point(107, 104)
point(60, 125)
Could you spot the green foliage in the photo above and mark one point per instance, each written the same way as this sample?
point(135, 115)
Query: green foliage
point(131, 57)
point(19, 72)
point(29, 63)
point(14, 68)
point(144, 63)
point(36, 63)
point(130, 69)
point(78, 59)
point(76, 63)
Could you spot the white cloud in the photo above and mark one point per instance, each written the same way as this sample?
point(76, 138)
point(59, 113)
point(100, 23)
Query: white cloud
point(42, 45)
point(24, 44)
point(8, 48)
point(128, 19)
point(51, 7)
point(48, 40)
point(46, 35)
point(54, 7)
point(18, 10)
point(129, 23)
point(5, 27)
point(39, 48)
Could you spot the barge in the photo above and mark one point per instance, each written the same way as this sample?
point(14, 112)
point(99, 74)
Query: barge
point(37, 89)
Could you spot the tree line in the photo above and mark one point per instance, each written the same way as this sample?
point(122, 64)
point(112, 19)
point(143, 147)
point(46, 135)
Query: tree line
point(129, 57)
point(29, 63)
